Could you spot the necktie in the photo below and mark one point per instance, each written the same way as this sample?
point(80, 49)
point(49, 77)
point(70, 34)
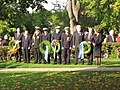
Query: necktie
point(89, 37)
point(18, 35)
point(25, 37)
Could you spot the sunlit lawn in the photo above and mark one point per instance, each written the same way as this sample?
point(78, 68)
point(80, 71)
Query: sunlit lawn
point(109, 62)
point(80, 80)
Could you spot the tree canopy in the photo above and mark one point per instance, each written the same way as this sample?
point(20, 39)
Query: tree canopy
point(104, 14)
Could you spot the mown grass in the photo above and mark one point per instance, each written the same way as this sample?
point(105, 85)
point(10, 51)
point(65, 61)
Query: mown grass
point(109, 62)
point(79, 80)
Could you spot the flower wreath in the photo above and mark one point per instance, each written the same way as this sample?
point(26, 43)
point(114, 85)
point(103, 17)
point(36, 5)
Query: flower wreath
point(55, 42)
point(88, 47)
point(14, 46)
point(42, 44)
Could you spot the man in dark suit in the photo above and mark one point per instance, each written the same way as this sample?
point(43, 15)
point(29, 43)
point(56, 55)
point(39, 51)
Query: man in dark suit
point(18, 37)
point(57, 36)
point(46, 36)
point(78, 37)
point(89, 38)
point(36, 40)
point(5, 42)
point(26, 45)
point(111, 37)
point(66, 43)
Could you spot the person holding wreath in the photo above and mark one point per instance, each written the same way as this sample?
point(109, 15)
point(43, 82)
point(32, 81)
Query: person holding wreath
point(78, 37)
point(36, 40)
point(66, 43)
point(57, 37)
point(97, 43)
point(89, 38)
point(46, 36)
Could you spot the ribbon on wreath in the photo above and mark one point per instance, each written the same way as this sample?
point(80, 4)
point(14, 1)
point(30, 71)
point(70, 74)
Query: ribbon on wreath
point(81, 51)
point(46, 53)
point(54, 51)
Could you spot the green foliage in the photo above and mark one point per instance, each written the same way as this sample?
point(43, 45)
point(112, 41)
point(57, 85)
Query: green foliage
point(112, 49)
point(102, 13)
point(5, 29)
point(14, 14)
point(10, 7)
point(59, 16)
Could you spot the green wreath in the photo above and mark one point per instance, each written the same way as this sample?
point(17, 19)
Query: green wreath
point(10, 45)
point(88, 47)
point(58, 46)
point(43, 44)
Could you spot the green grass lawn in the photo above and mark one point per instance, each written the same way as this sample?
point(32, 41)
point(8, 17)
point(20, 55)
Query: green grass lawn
point(79, 80)
point(109, 62)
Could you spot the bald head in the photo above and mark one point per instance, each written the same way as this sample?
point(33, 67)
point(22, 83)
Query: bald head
point(111, 32)
point(78, 28)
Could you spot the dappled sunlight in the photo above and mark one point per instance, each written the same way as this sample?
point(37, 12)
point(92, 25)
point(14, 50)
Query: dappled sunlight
point(76, 80)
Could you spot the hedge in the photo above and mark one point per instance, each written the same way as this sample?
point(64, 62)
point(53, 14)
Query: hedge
point(112, 49)
point(108, 50)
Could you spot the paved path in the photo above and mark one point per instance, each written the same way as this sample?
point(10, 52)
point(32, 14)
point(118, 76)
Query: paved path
point(60, 69)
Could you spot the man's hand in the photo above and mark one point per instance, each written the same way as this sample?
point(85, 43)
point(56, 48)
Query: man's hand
point(28, 47)
point(32, 44)
point(93, 44)
point(73, 46)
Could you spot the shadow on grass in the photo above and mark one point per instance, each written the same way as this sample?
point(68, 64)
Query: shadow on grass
point(111, 63)
point(9, 64)
point(83, 80)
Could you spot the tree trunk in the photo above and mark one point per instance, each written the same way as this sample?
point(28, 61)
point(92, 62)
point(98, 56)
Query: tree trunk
point(73, 8)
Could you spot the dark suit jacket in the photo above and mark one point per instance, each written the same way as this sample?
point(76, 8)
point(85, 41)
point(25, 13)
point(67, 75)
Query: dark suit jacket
point(37, 41)
point(5, 42)
point(57, 36)
point(46, 37)
point(26, 42)
point(77, 38)
point(18, 38)
point(98, 44)
point(64, 42)
point(91, 39)
point(109, 39)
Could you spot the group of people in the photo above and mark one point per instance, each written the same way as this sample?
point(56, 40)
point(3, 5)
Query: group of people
point(111, 37)
point(67, 42)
